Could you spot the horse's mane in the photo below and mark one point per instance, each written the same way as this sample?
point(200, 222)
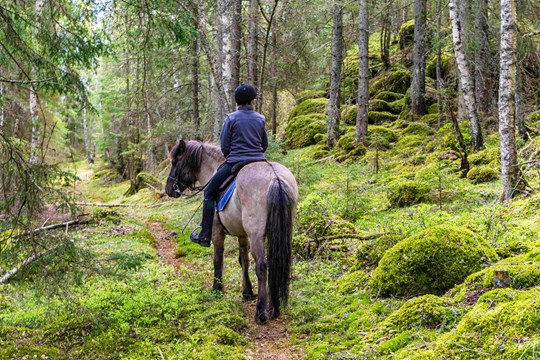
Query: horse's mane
point(191, 153)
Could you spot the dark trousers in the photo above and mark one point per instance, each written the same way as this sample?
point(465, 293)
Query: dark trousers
point(211, 194)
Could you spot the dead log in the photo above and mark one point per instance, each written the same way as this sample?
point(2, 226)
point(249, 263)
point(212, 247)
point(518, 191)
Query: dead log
point(51, 227)
point(8, 275)
point(104, 205)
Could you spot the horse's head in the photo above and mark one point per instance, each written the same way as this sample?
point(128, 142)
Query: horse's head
point(185, 163)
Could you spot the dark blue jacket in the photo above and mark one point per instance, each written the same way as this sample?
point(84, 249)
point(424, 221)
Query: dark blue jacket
point(244, 136)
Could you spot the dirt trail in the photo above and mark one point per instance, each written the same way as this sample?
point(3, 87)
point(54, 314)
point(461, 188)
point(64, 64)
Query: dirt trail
point(267, 342)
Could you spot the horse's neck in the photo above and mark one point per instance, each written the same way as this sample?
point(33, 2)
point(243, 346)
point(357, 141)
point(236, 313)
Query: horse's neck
point(209, 165)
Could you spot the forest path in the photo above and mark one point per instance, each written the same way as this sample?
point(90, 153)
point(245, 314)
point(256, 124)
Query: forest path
point(267, 342)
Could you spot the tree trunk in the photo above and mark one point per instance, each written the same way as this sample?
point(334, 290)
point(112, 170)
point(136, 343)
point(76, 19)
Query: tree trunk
point(176, 86)
point(335, 74)
point(2, 106)
point(418, 83)
point(481, 57)
point(195, 113)
point(438, 66)
point(253, 34)
point(270, 21)
point(363, 73)
point(507, 87)
point(520, 114)
point(236, 40)
point(465, 75)
point(33, 99)
point(274, 84)
point(86, 137)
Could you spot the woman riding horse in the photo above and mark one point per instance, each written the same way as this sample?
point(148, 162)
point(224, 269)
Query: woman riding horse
point(243, 140)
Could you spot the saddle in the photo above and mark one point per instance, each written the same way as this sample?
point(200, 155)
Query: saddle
point(229, 185)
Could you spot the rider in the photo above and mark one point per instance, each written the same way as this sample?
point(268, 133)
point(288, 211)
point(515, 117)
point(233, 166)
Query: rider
point(243, 140)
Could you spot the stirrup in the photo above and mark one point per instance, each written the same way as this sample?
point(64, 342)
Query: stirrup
point(196, 238)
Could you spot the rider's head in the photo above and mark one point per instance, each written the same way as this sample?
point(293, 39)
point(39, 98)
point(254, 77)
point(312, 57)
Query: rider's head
point(244, 94)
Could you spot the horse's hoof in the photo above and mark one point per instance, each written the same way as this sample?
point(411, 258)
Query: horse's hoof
point(261, 318)
point(248, 296)
point(274, 313)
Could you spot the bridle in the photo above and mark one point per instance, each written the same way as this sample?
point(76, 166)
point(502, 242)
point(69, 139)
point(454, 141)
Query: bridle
point(196, 189)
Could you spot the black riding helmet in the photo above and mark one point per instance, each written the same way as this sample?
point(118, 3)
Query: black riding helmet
point(244, 94)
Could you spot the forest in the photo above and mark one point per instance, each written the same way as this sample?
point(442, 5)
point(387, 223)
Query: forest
point(412, 129)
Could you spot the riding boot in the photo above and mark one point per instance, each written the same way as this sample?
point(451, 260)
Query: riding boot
point(205, 236)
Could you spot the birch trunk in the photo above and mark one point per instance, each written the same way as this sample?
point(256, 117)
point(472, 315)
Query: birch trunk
point(481, 57)
point(176, 86)
point(335, 74)
point(363, 73)
point(507, 87)
point(418, 83)
point(520, 114)
point(33, 99)
point(236, 41)
point(253, 35)
point(465, 76)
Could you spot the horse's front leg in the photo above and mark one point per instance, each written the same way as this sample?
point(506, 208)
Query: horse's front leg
point(257, 250)
point(218, 237)
point(243, 258)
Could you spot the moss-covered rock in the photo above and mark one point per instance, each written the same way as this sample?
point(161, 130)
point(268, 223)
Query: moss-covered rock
point(426, 311)
point(430, 262)
point(407, 193)
point(301, 130)
point(512, 248)
point(107, 174)
point(380, 117)
point(483, 173)
point(418, 128)
point(309, 106)
point(504, 323)
point(408, 142)
point(396, 80)
point(352, 282)
point(388, 96)
point(348, 115)
point(310, 94)
point(369, 253)
point(406, 35)
point(534, 117)
point(380, 137)
point(144, 180)
point(487, 156)
point(430, 119)
point(448, 67)
point(394, 107)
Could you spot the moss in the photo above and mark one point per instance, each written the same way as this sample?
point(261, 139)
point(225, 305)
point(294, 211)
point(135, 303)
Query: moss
point(430, 262)
point(407, 193)
point(481, 174)
point(534, 117)
point(301, 130)
point(396, 80)
point(406, 34)
point(410, 141)
point(310, 106)
point(106, 175)
point(418, 128)
point(144, 180)
point(349, 84)
point(369, 253)
point(427, 311)
point(380, 117)
point(485, 157)
point(310, 94)
point(388, 96)
point(433, 109)
point(503, 324)
point(448, 67)
point(352, 282)
point(430, 119)
point(319, 152)
point(512, 248)
point(348, 115)
point(394, 107)
point(380, 137)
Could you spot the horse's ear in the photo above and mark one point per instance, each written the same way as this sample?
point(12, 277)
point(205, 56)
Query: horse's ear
point(178, 149)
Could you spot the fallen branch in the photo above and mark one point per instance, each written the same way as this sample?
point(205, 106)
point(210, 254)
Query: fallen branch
point(104, 205)
point(8, 275)
point(51, 227)
point(354, 236)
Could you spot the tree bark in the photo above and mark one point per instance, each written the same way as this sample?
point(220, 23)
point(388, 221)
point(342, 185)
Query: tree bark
point(363, 73)
point(335, 74)
point(507, 108)
point(33, 99)
point(270, 21)
point(2, 106)
point(195, 113)
point(86, 137)
point(438, 66)
point(418, 83)
point(253, 35)
point(520, 113)
point(465, 76)
point(481, 57)
point(236, 41)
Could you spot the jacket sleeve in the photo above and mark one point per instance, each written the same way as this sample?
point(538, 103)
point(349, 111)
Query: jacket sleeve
point(225, 138)
point(264, 137)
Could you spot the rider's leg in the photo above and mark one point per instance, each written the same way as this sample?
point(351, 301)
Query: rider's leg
point(211, 194)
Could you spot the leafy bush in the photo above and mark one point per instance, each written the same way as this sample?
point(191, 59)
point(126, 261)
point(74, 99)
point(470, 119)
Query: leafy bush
point(482, 174)
point(407, 193)
point(301, 130)
point(430, 262)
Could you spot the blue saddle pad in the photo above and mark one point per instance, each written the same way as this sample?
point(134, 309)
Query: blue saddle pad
point(224, 200)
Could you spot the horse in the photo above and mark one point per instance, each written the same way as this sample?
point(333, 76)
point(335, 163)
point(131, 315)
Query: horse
point(262, 206)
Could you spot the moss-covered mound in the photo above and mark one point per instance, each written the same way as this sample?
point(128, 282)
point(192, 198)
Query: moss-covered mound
point(380, 137)
point(348, 115)
point(534, 117)
point(310, 94)
point(388, 96)
point(489, 156)
point(504, 324)
point(380, 117)
point(144, 180)
point(302, 130)
point(396, 80)
point(427, 311)
point(406, 35)
point(448, 67)
point(309, 106)
point(407, 193)
point(369, 253)
point(430, 262)
point(482, 174)
point(418, 128)
point(394, 107)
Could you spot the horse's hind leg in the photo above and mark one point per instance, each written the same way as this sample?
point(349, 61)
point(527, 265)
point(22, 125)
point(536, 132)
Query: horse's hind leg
point(218, 237)
point(243, 258)
point(257, 250)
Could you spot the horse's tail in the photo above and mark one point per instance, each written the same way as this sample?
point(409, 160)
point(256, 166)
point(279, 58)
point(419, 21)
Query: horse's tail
point(279, 224)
